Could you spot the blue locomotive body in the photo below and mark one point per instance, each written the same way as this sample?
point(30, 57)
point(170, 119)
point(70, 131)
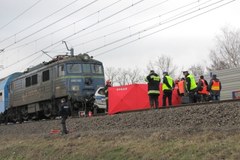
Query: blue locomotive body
point(38, 91)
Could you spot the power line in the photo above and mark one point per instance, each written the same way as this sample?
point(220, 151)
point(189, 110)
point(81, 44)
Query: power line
point(51, 24)
point(15, 18)
point(117, 21)
point(147, 20)
point(102, 53)
point(153, 26)
point(104, 19)
point(34, 24)
point(67, 25)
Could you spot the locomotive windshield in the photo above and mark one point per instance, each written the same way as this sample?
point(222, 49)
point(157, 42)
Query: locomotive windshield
point(74, 68)
point(85, 68)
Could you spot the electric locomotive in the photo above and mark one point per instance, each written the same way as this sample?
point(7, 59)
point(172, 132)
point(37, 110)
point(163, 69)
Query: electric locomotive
point(38, 91)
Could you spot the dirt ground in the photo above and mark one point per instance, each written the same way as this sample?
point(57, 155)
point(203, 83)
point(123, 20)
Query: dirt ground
point(218, 116)
point(134, 132)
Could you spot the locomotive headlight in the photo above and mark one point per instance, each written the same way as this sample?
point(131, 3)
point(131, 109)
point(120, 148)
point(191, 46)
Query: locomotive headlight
point(86, 57)
point(75, 88)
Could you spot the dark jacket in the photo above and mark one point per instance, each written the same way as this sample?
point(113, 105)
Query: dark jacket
point(65, 109)
point(153, 80)
point(106, 89)
point(201, 85)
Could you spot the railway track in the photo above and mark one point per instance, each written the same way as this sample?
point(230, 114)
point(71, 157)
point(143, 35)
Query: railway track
point(222, 116)
point(133, 111)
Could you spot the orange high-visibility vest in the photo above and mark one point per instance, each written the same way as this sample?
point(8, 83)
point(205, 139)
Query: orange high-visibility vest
point(181, 87)
point(204, 90)
point(215, 85)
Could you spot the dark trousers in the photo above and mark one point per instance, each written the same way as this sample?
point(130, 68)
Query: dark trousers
point(192, 96)
point(106, 104)
point(202, 97)
point(167, 94)
point(215, 97)
point(153, 98)
point(64, 127)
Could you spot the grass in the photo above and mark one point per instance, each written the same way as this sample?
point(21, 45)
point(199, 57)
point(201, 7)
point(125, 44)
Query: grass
point(202, 146)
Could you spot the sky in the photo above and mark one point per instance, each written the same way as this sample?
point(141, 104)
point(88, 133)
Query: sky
point(120, 33)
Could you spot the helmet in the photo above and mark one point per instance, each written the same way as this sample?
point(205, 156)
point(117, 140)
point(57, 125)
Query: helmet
point(165, 72)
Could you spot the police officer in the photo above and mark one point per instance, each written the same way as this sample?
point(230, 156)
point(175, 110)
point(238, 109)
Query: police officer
point(167, 87)
point(64, 113)
point(191, 87)
point(107, 85)
point(153, 80)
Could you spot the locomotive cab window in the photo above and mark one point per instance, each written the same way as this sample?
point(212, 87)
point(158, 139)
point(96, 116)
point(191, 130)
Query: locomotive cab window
point(86, 68)
point(45, 76)
point(74, 68)
point(96, 68)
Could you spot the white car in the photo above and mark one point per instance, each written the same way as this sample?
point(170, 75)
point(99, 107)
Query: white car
point(100, 101)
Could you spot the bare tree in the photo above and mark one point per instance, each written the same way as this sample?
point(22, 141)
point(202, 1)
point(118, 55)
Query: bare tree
point(227, 52)
point(124, 76)
point(111, 74)
point(197, 70)
point(163, 63)
point(135, 76)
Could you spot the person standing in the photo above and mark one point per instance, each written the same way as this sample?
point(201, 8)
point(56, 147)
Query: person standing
point(167, 87)
point(215, 88)
point(153, 81)
point(202, 89)
point(191, 86)
point(107, 85)
point(64, 113)
point(182, 87)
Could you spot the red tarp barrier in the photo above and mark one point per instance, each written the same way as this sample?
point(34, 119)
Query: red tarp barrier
point(134, 97)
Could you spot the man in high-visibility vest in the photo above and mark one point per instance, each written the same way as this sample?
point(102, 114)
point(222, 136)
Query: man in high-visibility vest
point(202, 89)
point(215, 88)
point(182, 87)
point(167, 87)
point(191, 87)
point(153, 80)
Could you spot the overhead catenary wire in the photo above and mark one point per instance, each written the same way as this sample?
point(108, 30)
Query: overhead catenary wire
point(120, 20)
point(22, 13)
point(150, 34)
point(50, 24)
point(153, 26)
point(144, 21)
point(91, 14)
point(79, 31)
point(43, 49)
point(39, 21)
